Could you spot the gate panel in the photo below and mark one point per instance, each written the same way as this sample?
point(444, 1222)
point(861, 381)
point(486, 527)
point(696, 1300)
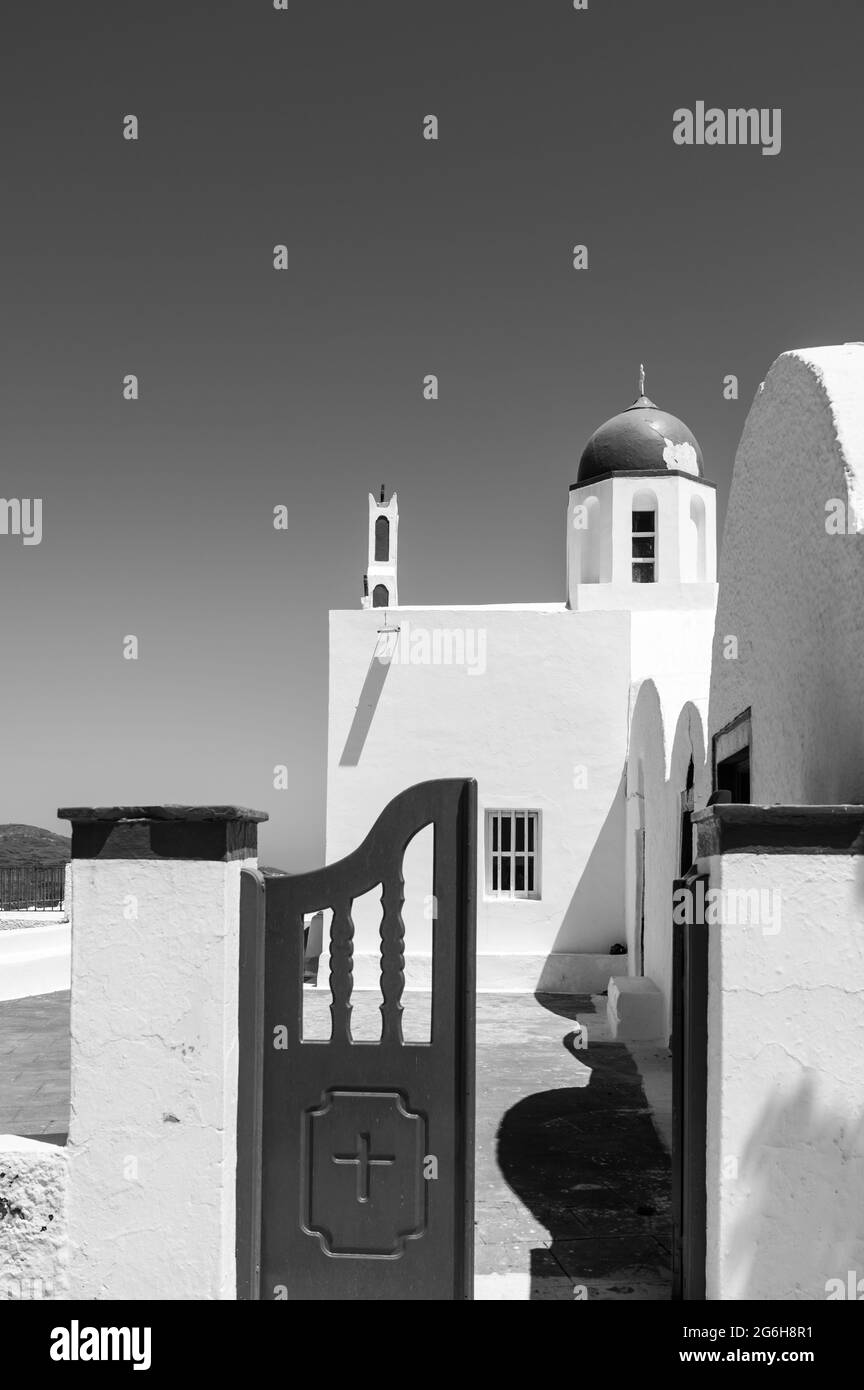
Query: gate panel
point(349, 1128)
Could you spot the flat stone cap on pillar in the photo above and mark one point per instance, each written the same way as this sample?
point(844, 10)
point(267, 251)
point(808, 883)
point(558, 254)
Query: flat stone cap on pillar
point(163, 832)
point(739, 828)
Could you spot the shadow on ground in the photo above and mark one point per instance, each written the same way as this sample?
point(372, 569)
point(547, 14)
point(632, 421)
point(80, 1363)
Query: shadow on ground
point(586, 1162)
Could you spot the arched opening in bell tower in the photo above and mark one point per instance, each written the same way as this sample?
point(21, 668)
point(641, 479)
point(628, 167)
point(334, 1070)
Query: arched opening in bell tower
point(382, 539)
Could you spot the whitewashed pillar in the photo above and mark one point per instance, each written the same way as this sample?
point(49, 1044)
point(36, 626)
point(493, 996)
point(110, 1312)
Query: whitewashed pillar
point(152, 1140)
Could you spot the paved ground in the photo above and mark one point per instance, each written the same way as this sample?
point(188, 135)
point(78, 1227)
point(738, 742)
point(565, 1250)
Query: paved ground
point(34, 1065)
point(573, 1183)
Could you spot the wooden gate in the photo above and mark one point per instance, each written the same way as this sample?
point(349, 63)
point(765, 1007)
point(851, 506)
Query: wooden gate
point(355, 1159)
point(689, 1089)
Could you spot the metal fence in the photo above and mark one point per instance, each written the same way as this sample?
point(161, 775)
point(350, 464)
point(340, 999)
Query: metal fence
point(31, 888)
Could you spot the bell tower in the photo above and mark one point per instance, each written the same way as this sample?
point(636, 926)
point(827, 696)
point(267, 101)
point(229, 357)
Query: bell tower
point(641, 520)
point(379, 586)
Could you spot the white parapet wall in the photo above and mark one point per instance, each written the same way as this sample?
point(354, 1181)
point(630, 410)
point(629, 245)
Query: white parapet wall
point(35, 958)
point(34, 1256)
point(785, 1134)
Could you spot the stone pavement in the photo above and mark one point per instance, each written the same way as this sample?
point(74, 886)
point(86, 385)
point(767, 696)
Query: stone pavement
point(573, 1183)
point(34, 1065)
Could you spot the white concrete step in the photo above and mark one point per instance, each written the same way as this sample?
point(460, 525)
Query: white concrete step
point(634, 1007)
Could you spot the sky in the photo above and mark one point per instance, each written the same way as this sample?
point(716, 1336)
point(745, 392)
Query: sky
point(302, 388)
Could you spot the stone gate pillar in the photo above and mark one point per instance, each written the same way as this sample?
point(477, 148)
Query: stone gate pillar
point(152, 1140)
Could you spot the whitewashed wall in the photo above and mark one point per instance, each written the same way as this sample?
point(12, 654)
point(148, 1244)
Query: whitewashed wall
point(792, 595)
point(34, 1255)
point(786, 1009)
point(661, 747)
point(667, 729)
point(785, 1150)
point(152, 1141)
point(551, 702)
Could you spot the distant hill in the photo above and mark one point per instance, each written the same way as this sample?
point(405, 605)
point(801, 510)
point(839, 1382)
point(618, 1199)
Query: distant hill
point(30, 844)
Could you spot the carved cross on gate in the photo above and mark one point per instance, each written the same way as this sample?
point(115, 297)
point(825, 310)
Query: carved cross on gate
point(364, 1160)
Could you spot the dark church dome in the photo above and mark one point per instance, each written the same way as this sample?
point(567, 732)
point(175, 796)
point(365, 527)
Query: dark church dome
point(642, 439)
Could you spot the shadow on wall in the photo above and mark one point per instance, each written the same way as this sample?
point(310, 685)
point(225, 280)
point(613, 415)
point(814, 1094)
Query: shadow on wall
point(600, 883)
point(800, 1224)
point(373, 685)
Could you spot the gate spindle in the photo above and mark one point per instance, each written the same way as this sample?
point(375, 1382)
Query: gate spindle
point(341, 970)
point(392, 957)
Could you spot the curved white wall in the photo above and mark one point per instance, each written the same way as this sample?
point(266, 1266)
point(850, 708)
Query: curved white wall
point(792, 595)
point(659, 756)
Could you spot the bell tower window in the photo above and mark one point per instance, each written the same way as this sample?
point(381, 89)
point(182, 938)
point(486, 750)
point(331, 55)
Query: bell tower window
point(644, 541)
point(380, 596)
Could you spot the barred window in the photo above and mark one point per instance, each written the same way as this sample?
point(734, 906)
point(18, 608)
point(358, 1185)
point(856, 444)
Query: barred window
point(513, 854)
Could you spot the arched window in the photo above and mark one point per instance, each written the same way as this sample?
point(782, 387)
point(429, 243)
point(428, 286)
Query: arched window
point(380, 596)
point(644, 538)
point(697, 538)
point(382, 539)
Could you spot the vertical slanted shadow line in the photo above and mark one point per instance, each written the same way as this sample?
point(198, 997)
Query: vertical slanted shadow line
point(366, 706)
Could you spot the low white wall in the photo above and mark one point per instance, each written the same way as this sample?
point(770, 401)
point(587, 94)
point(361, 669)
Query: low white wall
point(35, 959)
point(33, 1222)
point(785, 1145)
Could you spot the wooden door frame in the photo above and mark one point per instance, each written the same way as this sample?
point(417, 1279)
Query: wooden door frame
point(689, 1101)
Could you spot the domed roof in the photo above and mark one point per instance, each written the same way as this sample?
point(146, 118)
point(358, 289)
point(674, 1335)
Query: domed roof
point(642, 439)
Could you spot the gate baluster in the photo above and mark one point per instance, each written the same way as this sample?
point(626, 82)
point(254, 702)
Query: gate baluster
point(341, 970)
point(392, 957)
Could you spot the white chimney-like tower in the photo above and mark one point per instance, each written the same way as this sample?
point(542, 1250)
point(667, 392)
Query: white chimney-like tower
point(381, 585)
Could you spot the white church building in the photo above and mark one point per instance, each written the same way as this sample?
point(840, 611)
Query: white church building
point(536, 701)
point(638, 727)
point(613, 733)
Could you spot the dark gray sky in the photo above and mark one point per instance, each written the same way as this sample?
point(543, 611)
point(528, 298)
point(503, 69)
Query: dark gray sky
point(304, 388)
